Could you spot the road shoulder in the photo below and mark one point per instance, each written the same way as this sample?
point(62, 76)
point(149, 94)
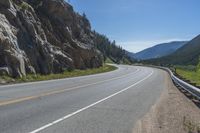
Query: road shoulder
point(173, 113)
point(6, 80)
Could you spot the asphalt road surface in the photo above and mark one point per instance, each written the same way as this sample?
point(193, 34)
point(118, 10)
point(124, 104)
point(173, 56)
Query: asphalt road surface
point(110, 102)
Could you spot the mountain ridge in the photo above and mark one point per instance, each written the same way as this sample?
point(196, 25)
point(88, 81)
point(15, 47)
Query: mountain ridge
point(187, 55)
point(159, 50)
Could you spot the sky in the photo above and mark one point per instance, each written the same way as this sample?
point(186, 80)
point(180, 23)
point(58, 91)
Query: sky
point(139, 24)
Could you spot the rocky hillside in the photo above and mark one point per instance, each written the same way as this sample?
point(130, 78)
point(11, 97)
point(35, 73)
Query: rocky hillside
point(159, 50)
point(44, 36)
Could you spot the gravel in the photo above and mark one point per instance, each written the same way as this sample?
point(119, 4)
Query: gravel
point(173, 113)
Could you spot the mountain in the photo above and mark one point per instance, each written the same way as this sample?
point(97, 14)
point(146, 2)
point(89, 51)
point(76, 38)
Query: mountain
point(131, 54)
point(159, 50)
point(45, 36)
point(187, 55)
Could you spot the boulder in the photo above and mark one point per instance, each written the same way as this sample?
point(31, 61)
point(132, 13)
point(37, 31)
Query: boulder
point(4, 71)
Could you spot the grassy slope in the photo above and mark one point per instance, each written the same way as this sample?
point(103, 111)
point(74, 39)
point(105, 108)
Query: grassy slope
point(66, 74)
point(191, 75)
point(108, 60)
point(123, 61)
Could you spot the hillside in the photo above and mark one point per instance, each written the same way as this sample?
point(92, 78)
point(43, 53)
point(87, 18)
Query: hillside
point(159, 50)
point(131, 54)
point(186, 55)
point(45, 36)
point(110, 50)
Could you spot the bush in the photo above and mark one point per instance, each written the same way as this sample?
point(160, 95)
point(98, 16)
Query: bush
point(24, 6)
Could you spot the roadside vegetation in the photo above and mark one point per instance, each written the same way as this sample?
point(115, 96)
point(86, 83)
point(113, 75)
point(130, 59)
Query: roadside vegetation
point(108, 60)
point(66, 74)
point(191, 73)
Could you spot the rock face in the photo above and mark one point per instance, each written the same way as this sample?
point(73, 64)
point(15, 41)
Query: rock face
point(44, 36)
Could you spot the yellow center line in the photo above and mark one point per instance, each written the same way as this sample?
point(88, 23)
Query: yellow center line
point(22, 99)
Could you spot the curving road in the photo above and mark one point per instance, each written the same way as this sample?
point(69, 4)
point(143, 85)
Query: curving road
point(104, 103)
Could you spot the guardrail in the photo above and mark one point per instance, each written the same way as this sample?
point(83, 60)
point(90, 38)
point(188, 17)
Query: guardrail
point(186, 86)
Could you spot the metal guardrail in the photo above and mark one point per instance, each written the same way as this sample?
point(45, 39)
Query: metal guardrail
point(186, 86)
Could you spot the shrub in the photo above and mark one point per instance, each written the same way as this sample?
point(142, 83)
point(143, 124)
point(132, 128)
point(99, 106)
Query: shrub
point(24, 6)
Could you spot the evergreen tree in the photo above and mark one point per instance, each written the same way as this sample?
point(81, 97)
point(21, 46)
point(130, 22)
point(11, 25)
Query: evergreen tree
point(109, 49)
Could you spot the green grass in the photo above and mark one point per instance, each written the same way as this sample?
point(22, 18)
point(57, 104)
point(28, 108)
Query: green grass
point(6, 79)
point(189, 74)
point(108, 60)
point(125, 61)
point(24, 6)
point(188, 67)
point(66, 74)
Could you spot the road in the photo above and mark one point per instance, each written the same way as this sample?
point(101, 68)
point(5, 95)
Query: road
point(110, 102)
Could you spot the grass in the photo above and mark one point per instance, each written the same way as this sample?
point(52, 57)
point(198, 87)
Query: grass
point(24, 6)
point(6, 79)
point(190, 74)
point(108, 60)
point(66, 74)
point(123, 61)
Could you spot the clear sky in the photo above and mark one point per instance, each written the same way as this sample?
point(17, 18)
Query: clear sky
point(138, 24)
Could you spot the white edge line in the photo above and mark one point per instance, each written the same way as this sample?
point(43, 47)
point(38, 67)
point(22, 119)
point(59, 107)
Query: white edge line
point(89, 106)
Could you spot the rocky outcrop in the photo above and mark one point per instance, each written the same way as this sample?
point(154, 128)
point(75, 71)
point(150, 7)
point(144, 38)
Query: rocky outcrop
point(44, 36)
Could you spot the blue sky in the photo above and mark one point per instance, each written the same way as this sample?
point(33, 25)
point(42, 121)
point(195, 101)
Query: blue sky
point(138, 24)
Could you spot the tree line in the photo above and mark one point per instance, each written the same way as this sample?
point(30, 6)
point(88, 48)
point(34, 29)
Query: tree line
point(110, 50)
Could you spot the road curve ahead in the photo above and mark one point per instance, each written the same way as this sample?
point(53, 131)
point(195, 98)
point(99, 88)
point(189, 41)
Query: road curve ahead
point(111, 102)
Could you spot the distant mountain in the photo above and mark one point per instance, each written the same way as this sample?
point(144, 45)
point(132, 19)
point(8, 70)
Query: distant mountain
point(130, 54)
point(159, 50)
point(187, 55)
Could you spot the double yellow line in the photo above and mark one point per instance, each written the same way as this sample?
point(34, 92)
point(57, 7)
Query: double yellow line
point(22, 99)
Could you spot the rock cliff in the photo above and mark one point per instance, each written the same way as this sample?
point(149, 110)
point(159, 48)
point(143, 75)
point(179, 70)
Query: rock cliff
point(44, 36)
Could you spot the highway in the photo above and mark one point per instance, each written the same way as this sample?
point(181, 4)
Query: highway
point(110, 102)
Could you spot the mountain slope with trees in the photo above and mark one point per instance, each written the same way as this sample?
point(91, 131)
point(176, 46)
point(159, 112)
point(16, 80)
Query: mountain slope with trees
point(110, 50)
point(159, 50)
point(186, 55)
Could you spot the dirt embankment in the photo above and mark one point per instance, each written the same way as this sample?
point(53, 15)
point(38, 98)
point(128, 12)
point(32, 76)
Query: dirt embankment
point(173, 113)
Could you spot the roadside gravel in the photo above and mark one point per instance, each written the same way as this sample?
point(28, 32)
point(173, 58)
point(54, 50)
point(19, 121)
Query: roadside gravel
point(173, 113)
